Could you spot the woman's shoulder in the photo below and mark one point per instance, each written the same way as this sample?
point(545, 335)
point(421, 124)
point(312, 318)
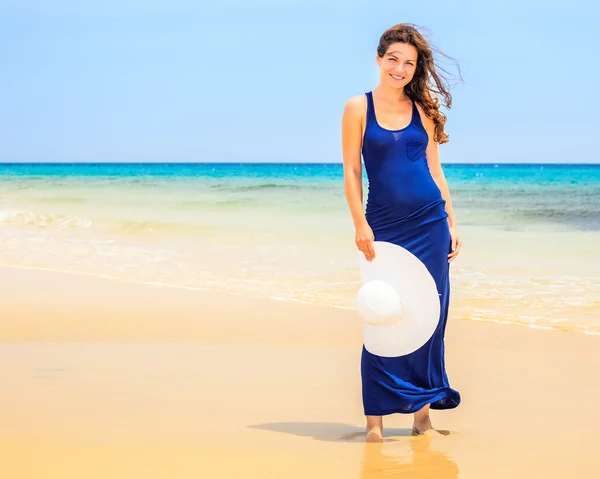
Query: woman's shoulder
point(357, 101)
point(356, 105)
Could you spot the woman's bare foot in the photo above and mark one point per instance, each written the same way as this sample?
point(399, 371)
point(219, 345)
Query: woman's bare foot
point(374, 429)
point(375, 434)
point(422, 423)
point(424, 431)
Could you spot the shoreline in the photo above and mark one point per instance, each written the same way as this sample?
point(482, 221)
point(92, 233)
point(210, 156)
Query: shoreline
point(570, 329)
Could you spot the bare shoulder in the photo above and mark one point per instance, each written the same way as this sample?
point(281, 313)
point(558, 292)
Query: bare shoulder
point(355, 106)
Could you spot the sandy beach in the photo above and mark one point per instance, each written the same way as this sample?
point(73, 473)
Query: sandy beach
point(104, 378)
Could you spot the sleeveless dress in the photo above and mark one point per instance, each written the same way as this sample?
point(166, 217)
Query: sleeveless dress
point(405, 207)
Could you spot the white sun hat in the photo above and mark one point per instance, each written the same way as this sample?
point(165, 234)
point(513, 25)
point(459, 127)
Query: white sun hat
point(398, 301)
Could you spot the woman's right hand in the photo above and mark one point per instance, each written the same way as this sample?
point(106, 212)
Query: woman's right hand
point(364, 241)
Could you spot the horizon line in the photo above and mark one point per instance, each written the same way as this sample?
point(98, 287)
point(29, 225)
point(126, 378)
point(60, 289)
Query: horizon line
point(265, 163)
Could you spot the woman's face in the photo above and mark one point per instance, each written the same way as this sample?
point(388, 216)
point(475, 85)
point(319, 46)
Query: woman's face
point(398, 65)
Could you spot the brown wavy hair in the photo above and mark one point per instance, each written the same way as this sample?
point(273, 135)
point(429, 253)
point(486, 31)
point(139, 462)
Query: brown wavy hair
point(426, 80)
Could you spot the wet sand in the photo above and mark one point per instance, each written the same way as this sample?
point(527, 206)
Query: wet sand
point(103, 378)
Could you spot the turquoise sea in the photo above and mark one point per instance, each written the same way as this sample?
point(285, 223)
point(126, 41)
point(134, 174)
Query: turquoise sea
point(531, 232)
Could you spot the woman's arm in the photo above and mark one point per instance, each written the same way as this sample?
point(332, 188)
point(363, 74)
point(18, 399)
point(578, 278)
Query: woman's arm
point(437, 173)
point(440, 181)
point(351, 147)
point(352, 133)
point(435, 166)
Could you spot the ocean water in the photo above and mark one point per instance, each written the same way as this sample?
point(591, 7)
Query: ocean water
point(531, 233)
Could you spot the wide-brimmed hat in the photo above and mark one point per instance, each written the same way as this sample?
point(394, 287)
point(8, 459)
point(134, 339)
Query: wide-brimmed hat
point(398, 301)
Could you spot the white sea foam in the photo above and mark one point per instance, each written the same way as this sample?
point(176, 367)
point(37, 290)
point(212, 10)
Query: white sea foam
point(293, 240)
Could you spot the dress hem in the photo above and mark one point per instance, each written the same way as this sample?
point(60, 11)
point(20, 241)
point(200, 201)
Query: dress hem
point(446, 393)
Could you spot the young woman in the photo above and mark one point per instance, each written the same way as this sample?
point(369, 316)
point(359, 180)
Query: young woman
point(397, 128)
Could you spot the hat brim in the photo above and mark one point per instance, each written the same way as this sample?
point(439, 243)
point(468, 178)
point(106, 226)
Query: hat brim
point(421, 310)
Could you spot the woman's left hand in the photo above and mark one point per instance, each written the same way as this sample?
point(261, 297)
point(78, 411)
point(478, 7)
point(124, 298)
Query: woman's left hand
point(456, 244)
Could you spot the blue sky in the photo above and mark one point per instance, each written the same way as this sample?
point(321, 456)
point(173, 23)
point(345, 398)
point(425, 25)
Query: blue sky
point(267, 80)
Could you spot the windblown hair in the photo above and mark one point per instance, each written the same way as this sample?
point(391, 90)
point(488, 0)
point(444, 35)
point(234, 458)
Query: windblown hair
point(427, 83)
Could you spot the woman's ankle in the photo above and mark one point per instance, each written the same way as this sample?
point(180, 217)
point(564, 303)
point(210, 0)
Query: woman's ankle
point(374, 421)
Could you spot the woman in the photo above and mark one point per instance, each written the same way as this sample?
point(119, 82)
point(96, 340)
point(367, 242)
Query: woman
point(397, 128)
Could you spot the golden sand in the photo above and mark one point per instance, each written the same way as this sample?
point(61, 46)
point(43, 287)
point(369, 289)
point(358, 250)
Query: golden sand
point(107, 379)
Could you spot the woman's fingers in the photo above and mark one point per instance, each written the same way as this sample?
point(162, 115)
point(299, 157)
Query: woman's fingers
point(452, 256)
point(364, 241)
point(368, 252)
point(367, 248)
point(371, 250)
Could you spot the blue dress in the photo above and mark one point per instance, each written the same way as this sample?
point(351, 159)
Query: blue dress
point(405, 207)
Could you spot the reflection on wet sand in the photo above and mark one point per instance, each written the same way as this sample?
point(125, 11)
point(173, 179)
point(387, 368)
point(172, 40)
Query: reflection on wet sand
point(391, 459)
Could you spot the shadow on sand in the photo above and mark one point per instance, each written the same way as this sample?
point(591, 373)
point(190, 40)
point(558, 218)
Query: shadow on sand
point(332, 431)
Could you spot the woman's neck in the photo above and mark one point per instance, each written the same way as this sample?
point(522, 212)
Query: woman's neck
point(390, 94)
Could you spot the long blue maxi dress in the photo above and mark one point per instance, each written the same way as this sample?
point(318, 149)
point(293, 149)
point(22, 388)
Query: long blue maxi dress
point(405, 207)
